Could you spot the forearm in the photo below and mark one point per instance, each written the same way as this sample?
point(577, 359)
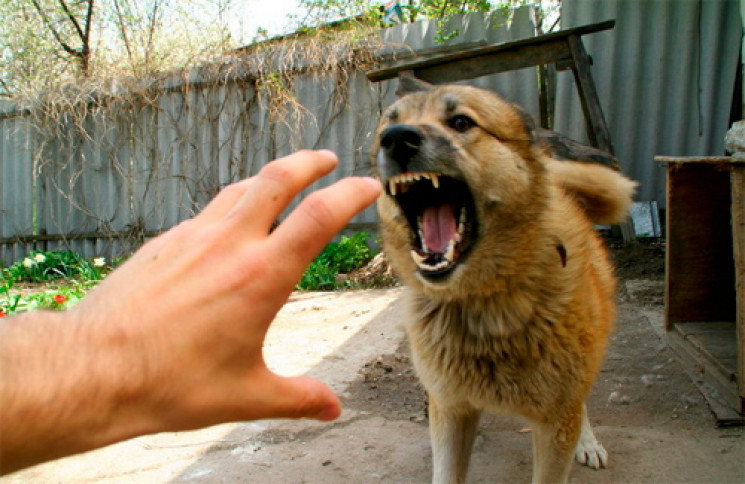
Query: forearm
point(62, 389)
point(206, 292)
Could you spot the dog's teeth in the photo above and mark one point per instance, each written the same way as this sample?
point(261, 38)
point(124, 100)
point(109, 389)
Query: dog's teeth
point(440, 265)
point(420, 231)
point(462, 221)
point(450, 252)
point(435, 180)
point(392, 187)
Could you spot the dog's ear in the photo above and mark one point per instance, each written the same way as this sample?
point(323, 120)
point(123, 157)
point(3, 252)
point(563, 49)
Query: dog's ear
point(528, 122)
point(408, 83)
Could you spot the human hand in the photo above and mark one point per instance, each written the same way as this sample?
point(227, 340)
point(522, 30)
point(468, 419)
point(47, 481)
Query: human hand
point(190, 310)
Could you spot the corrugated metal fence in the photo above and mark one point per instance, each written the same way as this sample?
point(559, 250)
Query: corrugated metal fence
point(102, 179)
point(665, 77)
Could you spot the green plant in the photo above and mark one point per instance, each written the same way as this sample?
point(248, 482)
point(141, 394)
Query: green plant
point(340, 257)
point(39, 266)
point(55, 299)
point(317, 277)
point(347, 254)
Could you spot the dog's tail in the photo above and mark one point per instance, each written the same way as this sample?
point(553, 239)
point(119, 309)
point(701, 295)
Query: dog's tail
point(604, 194)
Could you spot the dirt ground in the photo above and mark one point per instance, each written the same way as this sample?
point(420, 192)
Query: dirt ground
point(648, 414)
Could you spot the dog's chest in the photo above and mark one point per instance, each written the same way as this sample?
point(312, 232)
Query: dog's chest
point(491, 359)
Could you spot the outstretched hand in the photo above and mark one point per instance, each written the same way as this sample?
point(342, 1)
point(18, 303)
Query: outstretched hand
point(172, 340)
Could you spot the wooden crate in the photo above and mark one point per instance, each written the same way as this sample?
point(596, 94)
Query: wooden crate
point(705, 277)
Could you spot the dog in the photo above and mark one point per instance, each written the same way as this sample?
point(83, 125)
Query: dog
point(509, 289)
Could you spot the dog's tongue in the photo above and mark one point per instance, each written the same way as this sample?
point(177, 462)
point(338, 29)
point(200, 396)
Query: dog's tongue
point(439, 227)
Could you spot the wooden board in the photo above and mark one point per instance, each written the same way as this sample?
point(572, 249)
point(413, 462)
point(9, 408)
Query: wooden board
point(700, 279)
point(532, 51)
point(707, 351)
point(738, 236)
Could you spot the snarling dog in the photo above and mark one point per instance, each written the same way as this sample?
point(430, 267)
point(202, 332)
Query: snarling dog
point(510, 292)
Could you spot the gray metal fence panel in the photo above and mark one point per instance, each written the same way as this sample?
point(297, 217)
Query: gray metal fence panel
point(665, 77)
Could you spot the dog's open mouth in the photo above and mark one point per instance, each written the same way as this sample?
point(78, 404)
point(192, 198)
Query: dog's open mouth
point(441, 214)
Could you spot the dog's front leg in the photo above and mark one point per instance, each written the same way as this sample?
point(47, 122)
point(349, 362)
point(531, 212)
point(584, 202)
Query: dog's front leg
point(452, 431)
point(554, 442)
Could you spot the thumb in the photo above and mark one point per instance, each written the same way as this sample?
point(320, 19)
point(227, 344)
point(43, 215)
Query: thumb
point(303, 397)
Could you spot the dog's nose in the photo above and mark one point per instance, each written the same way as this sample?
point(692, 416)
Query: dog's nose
point(401, 142)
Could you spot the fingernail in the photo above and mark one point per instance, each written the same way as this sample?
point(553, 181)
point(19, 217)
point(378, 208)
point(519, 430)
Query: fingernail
point(373, 182)
point(330, 412)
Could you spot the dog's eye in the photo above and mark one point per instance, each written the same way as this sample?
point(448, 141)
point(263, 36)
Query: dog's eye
point(461, 123)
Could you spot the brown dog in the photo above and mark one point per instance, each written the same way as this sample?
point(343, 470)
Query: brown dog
point(510, 292)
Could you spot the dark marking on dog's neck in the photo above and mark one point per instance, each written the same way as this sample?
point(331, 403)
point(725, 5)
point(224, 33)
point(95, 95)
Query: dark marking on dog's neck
point(562, 254)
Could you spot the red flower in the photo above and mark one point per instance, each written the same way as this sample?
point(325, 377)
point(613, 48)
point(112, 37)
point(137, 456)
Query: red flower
point(2, 314)
point(60, 298)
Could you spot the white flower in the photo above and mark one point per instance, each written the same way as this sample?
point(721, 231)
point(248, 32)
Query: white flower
point(28, 262)
point(99, 261)
point(40, 258)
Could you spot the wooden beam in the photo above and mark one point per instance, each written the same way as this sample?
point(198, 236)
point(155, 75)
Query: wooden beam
point(464, 66)
point(738, 238)
point(597, 129)
point(527, 46)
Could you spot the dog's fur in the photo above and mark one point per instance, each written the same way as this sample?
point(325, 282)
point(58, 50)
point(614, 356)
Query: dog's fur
point(519, 322)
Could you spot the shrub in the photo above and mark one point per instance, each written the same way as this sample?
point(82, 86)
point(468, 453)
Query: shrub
point(340, 257)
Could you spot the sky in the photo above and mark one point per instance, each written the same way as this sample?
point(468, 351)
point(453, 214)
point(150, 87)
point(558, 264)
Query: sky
point(272, 15)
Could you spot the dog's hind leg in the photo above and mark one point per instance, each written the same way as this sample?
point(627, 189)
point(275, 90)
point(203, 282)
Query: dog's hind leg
point(452, 431)
point(589, 451)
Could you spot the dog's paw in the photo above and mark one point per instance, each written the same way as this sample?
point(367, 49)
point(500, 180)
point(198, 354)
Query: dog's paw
point(591, 453)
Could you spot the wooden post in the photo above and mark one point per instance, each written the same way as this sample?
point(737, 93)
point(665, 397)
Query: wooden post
point(597, 130)
point(738, 237)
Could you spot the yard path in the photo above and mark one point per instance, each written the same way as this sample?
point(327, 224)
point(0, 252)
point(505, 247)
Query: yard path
point(650, 417)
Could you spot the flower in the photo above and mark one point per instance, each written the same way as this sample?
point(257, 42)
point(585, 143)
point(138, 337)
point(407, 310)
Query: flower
point(99, 261)
point(60, 298)
point(28, 262)
point(40, 258)
point(2, 314)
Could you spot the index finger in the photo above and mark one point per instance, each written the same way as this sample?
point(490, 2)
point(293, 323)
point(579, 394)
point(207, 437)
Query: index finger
point(322, 214)
point(269, 192)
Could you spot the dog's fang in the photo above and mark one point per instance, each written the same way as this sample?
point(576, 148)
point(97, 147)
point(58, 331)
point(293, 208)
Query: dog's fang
point(461, 225)
point(418, 259)
point(435, 180)
point(392, 187)
point(450, 252)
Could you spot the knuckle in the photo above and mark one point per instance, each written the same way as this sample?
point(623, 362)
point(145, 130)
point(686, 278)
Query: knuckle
point(276, 172)
point(318, 210)
point(236, 188)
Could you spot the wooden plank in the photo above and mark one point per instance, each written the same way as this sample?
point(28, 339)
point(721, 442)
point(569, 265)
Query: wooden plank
point(738, 238)
point(701, 160)
point(700, 280)
point(719, 393)
point(471, 67)
point(492, 51)
point(716, 342)
point(597, 129)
